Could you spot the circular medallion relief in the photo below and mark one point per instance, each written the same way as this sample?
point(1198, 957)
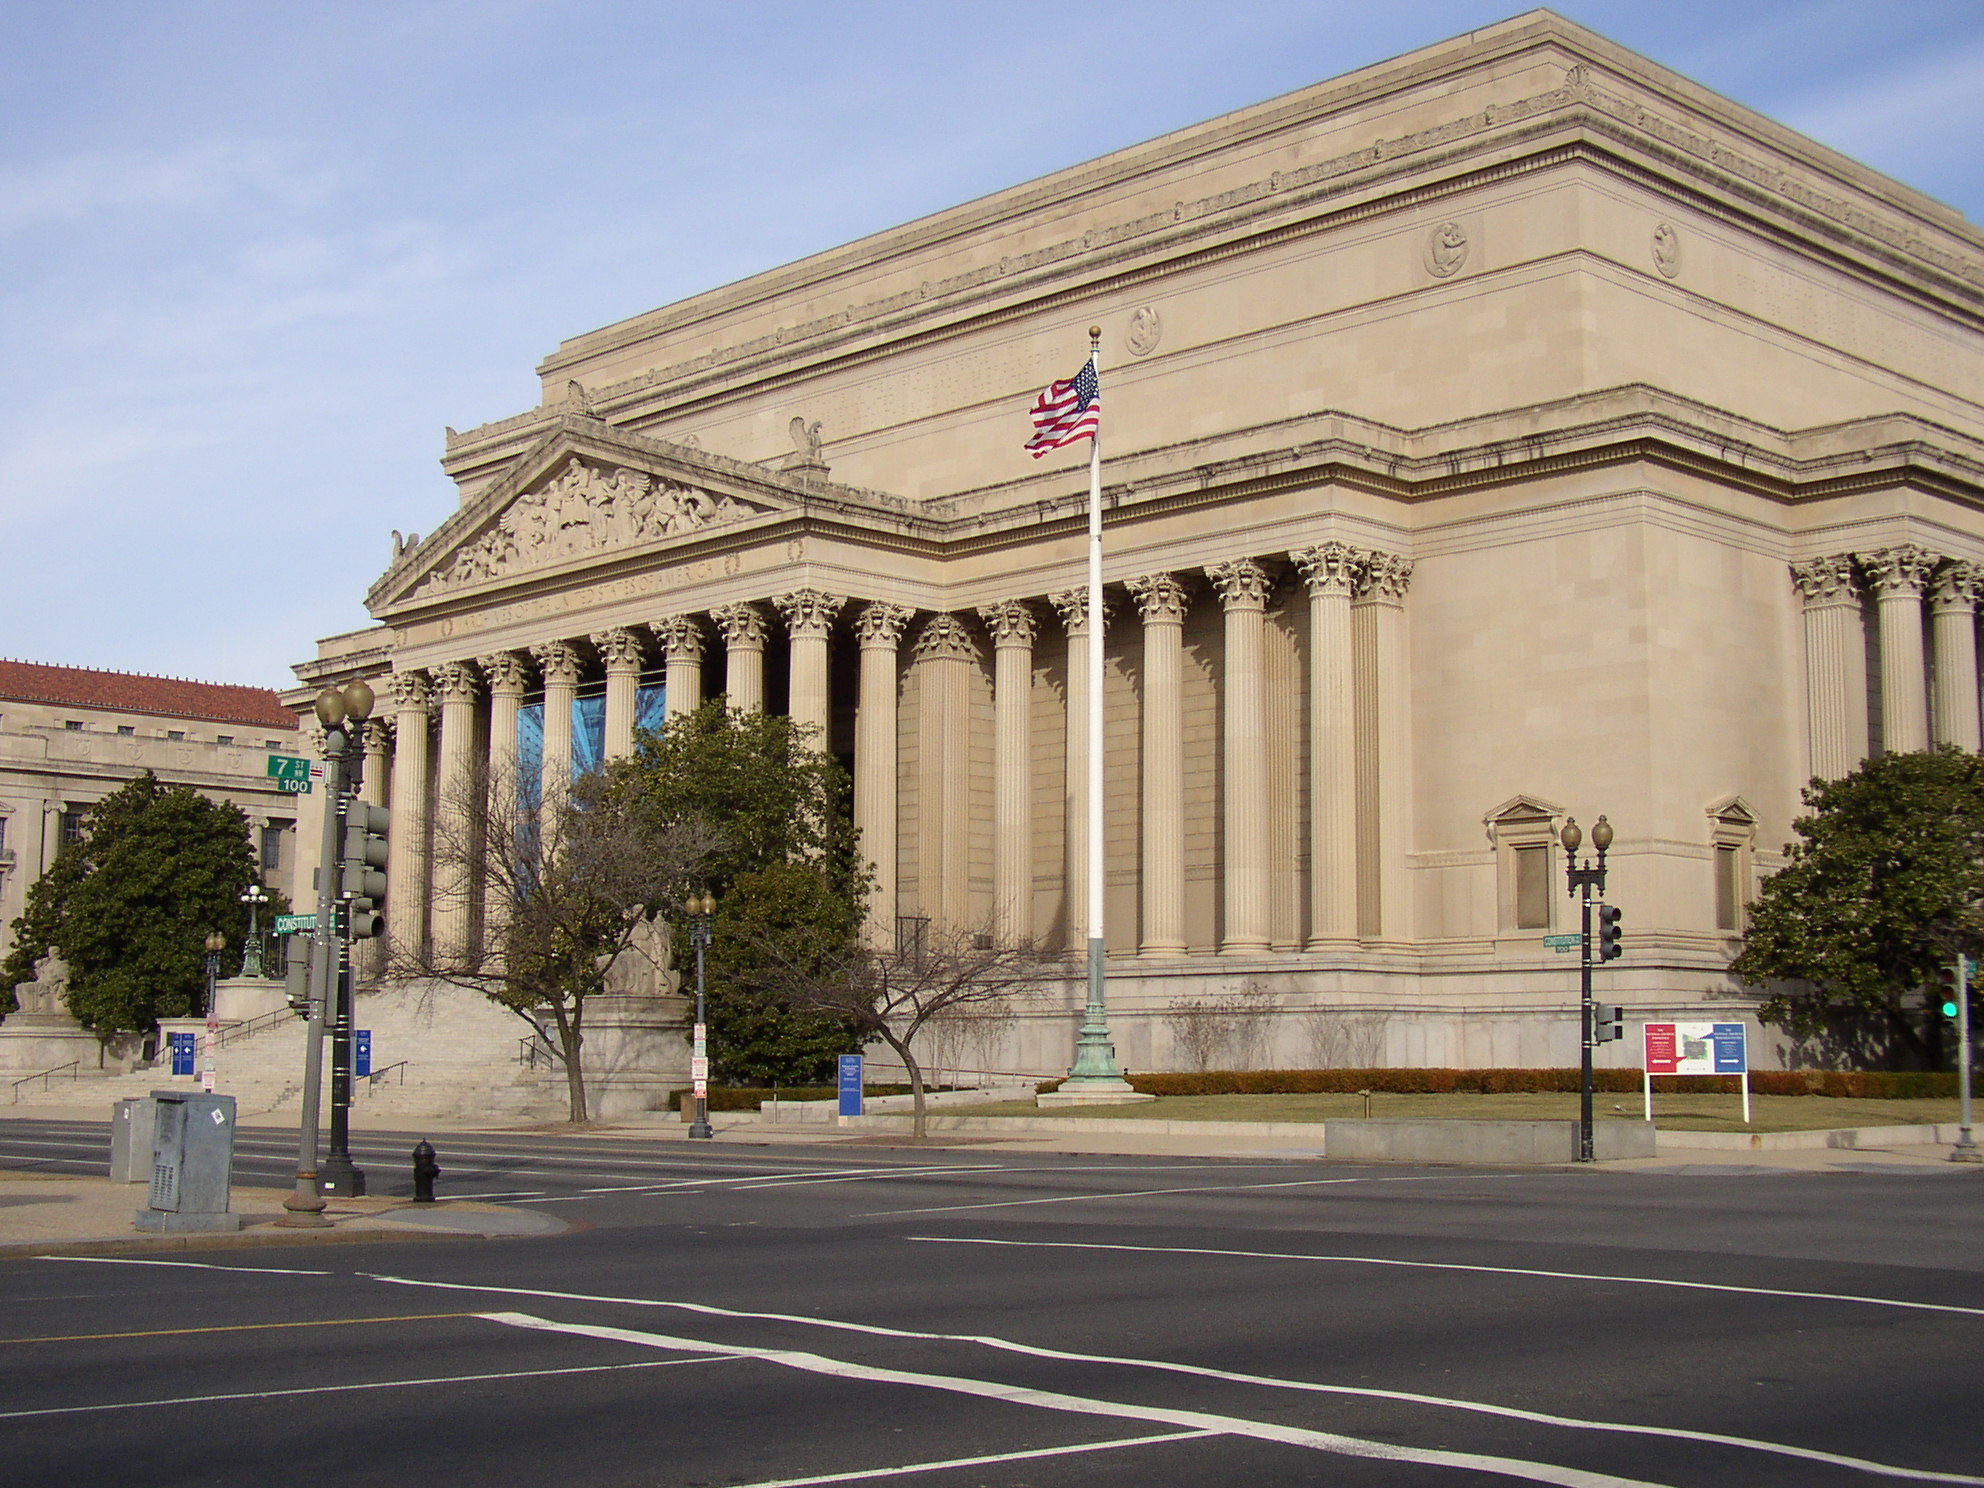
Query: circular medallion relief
point(1146, 327)
point(1667, 249)
point(1446, 249)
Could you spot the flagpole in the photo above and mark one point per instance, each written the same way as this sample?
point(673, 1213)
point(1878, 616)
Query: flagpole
point(1095, 1068)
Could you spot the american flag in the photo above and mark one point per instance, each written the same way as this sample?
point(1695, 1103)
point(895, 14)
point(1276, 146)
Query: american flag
point(1066, 412)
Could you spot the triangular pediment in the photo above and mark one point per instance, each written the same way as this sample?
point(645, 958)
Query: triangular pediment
point(581, 492)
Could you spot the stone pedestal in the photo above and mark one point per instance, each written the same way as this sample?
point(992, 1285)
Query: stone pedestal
point(33, 1042)
point(1090, 1097)
point(636, 1052)
point(243, 999)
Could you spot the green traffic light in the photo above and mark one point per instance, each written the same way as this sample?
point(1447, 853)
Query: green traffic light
point(1949, 1009)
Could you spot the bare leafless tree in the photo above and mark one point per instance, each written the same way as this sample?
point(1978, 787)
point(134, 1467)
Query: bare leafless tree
point(890, 993)
point(548, 895)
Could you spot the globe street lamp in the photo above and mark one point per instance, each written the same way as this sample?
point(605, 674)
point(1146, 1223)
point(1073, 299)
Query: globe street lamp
point(701, 909)
point(341, 1176)
point(254, 896)
point(216, 943)
point(1582, 880)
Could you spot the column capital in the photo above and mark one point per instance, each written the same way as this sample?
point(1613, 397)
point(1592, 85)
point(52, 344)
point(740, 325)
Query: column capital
point(1956, 586)
point(558, 660)
point(681, 637)
point(379, 734)
point(620, 648)
point(946, 638)
point(457, 682)
point(1012, 622)
point(742, 624)
point(809, 613)
point(1383, 578)
point(1328, 568)
point(1072, 606)
point(412, 691)
point(880, 624)
point(508, 672)
point(1902, 570)
point(1162, 598)
point(1826, 581)
point(1242, 583)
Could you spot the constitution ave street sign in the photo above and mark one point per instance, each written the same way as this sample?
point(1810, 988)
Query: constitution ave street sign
point(1562, 942)
point(290, 773)
point(295, 924)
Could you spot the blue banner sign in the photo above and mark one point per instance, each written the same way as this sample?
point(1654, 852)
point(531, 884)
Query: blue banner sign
point(850, 1085)
point(1731, 1052)
point(182, 1053)
point(361, 1052)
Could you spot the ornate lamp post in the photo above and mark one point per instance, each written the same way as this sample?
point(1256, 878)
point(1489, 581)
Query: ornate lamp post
point(701, 909)
point(215, 944)
point(1582, 881)
point(254, 896)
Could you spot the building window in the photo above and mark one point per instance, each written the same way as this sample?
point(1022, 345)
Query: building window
point(3, 836)
point(1732, 833)
point(272, 743)
point(175, 734)
point(223, 738)
point(72, 827)
point(272, 848)
point(74, 725)
point(1524, 834)
point(125, 731)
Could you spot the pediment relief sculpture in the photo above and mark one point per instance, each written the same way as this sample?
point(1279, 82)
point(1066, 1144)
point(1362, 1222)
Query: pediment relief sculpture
point(584, 509)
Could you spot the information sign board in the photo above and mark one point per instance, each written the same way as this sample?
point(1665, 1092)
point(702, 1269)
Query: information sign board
point(1697, 1049)
point(850, 1085)
point(361, 1053)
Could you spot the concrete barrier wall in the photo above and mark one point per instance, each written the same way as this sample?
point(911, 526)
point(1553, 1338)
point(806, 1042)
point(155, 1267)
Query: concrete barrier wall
point(1522, 1143)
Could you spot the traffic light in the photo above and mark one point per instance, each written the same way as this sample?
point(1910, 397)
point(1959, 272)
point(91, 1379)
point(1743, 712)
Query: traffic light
point(296, 974)
point(1947, 992)
point(362, 879)
point(1608, 932)
point(1608, 1022)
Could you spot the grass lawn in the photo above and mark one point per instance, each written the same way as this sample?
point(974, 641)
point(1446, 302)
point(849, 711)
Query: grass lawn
point(1674, 1112)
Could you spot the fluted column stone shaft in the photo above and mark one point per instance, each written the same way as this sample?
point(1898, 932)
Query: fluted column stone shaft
point(620, 649)
point(406, 883)
point(878, 630)
point(945, 655)
point(1162, 601)
point(560, 663)
point(377, 791)
point(809, 618)
point(1330, 572)
point(1898, 576)
point(743, 627)
point(681, 638)
point(1014, 628)
point(1835, 665)
point(1243, 587)
point(1953, 639)
point(1384, 744)
point(454, 879)
point(509, 675)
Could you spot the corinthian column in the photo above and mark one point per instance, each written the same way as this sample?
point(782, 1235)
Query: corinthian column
point(454, 886)
point(1835, 665)
point(1072, 606)
point(378, 737)
point(1384, 744)
point(406, 883)
point(1329, 570)
point(559, 662)
point(1014, 628)
point(945, 653)
point(809, 619)
point(681, 638)
point(1898, 575)
point(1953, 634)
point(1161, 601)
point(620, 649)
point(509, 675)
point(1243, 589)
point(879, 630)
point(743, 627)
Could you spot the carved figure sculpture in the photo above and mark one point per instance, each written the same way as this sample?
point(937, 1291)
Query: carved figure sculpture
point(49, 991)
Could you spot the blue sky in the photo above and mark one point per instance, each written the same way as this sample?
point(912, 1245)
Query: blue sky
point(253, 258)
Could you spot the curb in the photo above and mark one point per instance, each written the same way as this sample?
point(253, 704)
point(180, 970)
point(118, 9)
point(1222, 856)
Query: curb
point(240, 1240)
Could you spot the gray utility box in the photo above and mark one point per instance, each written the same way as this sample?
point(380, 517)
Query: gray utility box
point(132, 1126)
point(192, 1162)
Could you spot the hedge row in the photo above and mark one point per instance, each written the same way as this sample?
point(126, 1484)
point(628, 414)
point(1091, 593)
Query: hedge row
point(1859, 1084)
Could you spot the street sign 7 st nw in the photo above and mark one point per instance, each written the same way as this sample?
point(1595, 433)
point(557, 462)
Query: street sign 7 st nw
point(291, 774)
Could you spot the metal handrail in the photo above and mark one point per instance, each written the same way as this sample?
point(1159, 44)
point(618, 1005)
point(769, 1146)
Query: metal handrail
point(377, 1075)
point(73, 1066)
point(532, 1050)
point(233, 1031)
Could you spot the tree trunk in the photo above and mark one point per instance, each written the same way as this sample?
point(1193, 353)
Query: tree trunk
point(570, 1043)
point(918, 1128)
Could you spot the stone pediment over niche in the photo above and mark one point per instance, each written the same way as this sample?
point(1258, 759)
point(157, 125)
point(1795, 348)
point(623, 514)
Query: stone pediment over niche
point(587, 506)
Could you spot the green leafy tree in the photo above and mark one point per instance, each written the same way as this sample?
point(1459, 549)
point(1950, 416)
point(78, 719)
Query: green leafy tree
point(786, 872)
point(1883, 887)
point(158, 868)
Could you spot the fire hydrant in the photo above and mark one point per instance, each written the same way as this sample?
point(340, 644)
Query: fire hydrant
point(425, 1171)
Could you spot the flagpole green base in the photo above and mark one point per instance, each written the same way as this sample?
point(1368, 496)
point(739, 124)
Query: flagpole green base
point(1094, 1078)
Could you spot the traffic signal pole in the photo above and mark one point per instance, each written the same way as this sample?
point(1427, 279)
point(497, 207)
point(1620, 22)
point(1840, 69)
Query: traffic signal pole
point(1582, 880)
point(1966, 1149)
point(304, 1208)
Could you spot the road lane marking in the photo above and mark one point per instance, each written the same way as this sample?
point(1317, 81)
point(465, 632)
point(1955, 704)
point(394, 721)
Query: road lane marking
point(1007, 1345)
point(1352, 1260)
point(1294, 1436)
point(1144, 1193)
point(412, 1317)
point(953, 1462)
point(185, 1265)
point(446, 1379)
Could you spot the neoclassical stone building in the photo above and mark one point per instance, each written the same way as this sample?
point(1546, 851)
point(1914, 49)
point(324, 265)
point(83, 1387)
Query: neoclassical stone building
point(1509, 431)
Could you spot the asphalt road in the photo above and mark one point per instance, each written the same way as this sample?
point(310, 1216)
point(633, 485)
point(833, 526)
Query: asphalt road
point(864, 1314)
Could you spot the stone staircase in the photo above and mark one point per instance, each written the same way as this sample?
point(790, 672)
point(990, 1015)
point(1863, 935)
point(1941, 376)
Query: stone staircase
point(439, 1052)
